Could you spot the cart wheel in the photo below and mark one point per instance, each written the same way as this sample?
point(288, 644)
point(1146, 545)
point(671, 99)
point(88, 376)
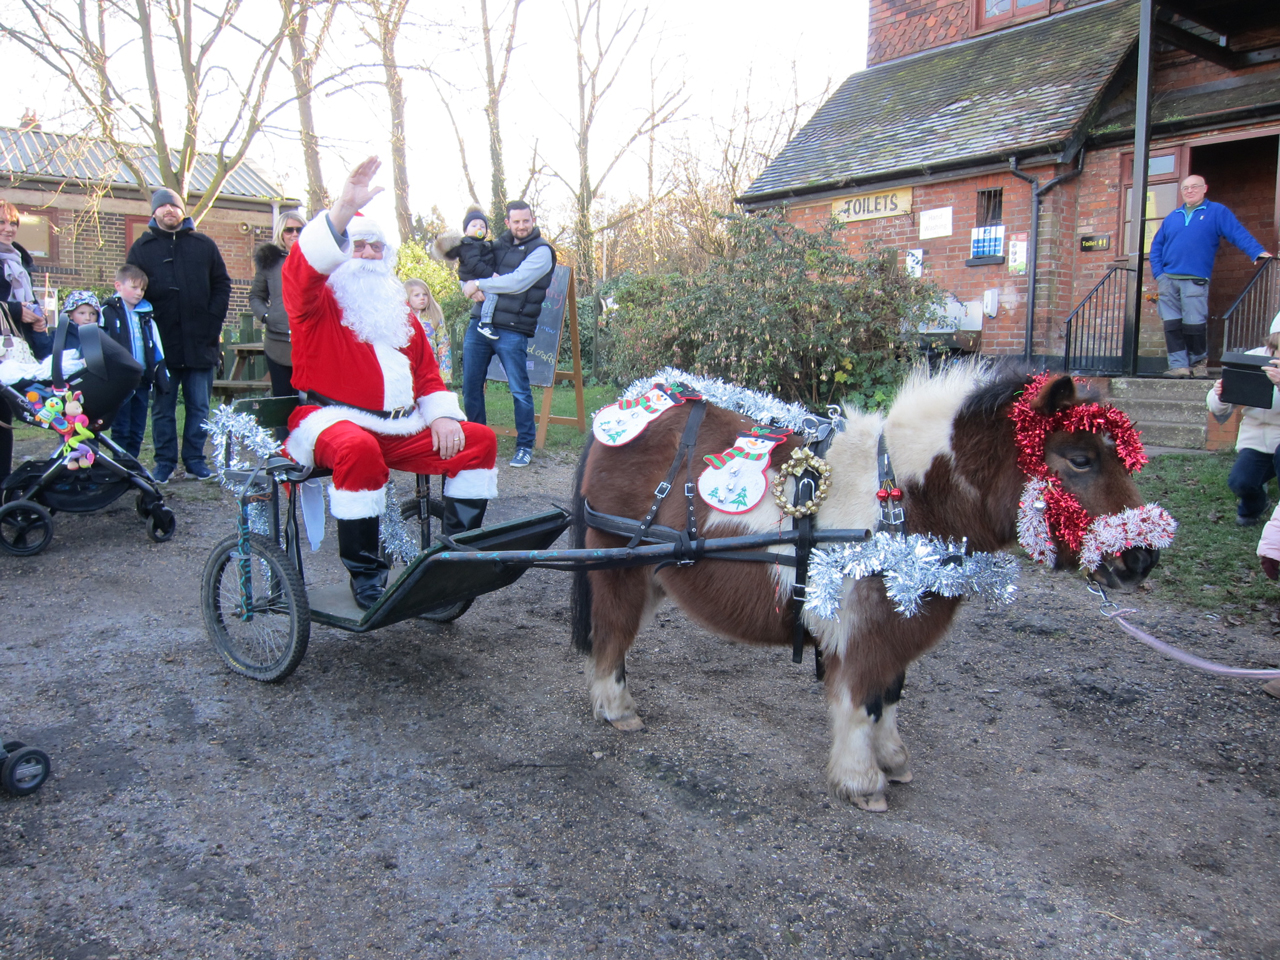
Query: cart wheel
point(13, 746)
point(161, 524)
point(25, 528)
point(255, 608)
point(447, 614)
point(25, 771)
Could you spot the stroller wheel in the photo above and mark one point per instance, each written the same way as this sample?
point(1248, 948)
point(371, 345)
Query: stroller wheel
point(144, 510)
point(25, 771)
point(161, 524)
point(25, 528)
point(12, 746)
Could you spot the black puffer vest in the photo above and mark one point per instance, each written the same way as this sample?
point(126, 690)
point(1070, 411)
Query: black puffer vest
point(519, 311)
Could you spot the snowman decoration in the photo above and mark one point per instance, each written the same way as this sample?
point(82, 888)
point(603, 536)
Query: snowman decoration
point(735, 480)
point(622, 422)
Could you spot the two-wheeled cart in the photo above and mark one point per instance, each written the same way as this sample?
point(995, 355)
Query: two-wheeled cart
point(258, 609)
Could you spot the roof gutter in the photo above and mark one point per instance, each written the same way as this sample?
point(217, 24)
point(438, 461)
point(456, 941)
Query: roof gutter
point(1037, 191)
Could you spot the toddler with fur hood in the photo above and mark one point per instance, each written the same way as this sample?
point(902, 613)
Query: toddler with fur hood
point(476, 259)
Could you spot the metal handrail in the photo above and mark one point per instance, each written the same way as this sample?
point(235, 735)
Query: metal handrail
point(1098, 348)
point(1247, 321)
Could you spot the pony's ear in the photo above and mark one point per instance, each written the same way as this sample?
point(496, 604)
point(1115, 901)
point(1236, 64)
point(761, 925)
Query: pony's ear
point(1058, 394)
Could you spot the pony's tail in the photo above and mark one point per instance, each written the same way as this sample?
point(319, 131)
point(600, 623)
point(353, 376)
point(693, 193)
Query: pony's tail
point(580, 601)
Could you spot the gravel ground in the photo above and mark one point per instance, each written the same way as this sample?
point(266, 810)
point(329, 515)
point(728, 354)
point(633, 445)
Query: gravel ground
point(436, 791)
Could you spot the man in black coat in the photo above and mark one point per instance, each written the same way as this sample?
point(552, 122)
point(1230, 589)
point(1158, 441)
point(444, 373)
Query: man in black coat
point(189, 290)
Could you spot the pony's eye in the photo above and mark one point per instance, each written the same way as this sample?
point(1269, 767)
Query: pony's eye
point(1080, 463)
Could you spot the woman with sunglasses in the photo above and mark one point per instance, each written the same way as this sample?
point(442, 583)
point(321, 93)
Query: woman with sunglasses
point(21, 314)
point(268, 306)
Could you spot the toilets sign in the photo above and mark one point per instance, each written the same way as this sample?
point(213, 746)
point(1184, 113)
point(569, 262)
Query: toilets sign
point(872, 206)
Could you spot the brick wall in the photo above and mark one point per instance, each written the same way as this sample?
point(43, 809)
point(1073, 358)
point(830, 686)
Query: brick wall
point(91, 246)
point(1242, 174)
point(902, 27)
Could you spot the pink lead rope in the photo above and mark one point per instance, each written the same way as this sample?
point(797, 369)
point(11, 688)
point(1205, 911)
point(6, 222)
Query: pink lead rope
point(1112, 611)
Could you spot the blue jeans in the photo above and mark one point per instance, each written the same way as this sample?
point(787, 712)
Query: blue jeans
point(1248, 480)
point(513, 351)
point(197, 386)
point(131, 422)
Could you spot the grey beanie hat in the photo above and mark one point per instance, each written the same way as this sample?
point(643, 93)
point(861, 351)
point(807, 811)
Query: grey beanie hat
point(165, 195)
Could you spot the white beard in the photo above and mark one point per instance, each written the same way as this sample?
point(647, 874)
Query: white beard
point(372, 301)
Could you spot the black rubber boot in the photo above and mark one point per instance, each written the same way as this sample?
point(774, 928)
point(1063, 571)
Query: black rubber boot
point(462, 515)
point(358, 549)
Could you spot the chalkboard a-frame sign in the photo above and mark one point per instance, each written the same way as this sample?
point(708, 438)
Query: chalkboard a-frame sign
point(544, 350)
point(544, 345)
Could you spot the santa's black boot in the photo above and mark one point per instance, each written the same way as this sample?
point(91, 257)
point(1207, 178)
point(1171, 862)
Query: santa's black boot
point(358, 549)
point(462, 515)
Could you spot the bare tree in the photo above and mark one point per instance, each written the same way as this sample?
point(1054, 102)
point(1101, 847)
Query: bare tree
point(497, 44)
point(601, 53)
point(387, 16)
point(679, 226)
point(304, 51)
point(91, 45)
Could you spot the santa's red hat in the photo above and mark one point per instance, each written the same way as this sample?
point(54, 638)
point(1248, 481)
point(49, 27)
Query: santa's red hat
point(365, 228)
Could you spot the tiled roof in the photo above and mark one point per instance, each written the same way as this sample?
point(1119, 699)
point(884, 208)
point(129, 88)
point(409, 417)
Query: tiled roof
point(1015, 92)
point(34, 153)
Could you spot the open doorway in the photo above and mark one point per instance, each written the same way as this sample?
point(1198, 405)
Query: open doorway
point(1242, 175)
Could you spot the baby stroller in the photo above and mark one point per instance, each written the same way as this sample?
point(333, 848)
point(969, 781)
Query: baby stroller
point(87, 471)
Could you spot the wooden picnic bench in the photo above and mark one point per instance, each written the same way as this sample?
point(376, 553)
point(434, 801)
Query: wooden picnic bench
point(238, 384)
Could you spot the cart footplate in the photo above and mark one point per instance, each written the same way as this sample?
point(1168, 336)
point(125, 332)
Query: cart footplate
point(428, 583)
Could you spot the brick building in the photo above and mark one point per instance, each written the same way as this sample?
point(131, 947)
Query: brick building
point(971, 109)
point(80, 210)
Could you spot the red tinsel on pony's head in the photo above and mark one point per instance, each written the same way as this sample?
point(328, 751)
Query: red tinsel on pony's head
point(1031, 429)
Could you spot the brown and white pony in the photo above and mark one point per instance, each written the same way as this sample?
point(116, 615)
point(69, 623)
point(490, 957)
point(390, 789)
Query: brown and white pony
point(952, 447)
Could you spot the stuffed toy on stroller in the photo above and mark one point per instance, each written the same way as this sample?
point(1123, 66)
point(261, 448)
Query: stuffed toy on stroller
point(75, 398)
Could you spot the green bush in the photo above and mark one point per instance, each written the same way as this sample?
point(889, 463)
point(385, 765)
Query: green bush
point(413, 261)
point(788, 311)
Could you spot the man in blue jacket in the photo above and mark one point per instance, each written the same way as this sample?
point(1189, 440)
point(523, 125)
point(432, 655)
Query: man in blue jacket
point(1181, 261)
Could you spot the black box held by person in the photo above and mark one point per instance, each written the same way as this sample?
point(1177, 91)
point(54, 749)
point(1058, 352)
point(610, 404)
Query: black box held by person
point(1243, 381)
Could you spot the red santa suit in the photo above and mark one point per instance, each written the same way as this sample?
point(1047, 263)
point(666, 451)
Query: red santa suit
point(363, 378)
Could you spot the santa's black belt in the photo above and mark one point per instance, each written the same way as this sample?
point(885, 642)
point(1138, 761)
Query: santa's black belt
point(310, 397)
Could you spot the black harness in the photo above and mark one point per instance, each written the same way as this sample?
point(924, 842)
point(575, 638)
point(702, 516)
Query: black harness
point(688, 547)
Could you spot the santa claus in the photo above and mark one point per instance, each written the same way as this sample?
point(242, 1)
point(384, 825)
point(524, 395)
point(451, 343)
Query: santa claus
point(372, 397)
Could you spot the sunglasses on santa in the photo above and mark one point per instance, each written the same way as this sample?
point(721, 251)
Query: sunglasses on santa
point(377, 246)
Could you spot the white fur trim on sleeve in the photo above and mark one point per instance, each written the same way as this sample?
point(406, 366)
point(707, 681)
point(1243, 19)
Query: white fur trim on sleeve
point(472, 485)
point(319, 246)
point(442, 403)
point(357, 504)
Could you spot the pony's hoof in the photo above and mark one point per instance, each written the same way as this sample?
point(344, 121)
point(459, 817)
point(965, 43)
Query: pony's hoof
point(874, 802)
point(629, 724)
point(900, 776)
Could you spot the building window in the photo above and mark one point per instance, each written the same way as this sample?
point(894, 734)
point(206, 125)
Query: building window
point(986, 240)
point(1164, 171)
point(990, 207)
point(134, 227)
point(38, 236)
point(992, 13)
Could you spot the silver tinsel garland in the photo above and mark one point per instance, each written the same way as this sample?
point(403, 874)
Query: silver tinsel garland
point(760, 407)
point(234, 435)
point(400, 539)
point(911, 567)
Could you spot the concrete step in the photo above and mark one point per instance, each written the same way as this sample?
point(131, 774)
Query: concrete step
point(1155, 388)
point(1184, 412)
point(1182, 435)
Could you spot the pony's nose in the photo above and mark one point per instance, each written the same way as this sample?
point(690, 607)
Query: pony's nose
point(1138, 563)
